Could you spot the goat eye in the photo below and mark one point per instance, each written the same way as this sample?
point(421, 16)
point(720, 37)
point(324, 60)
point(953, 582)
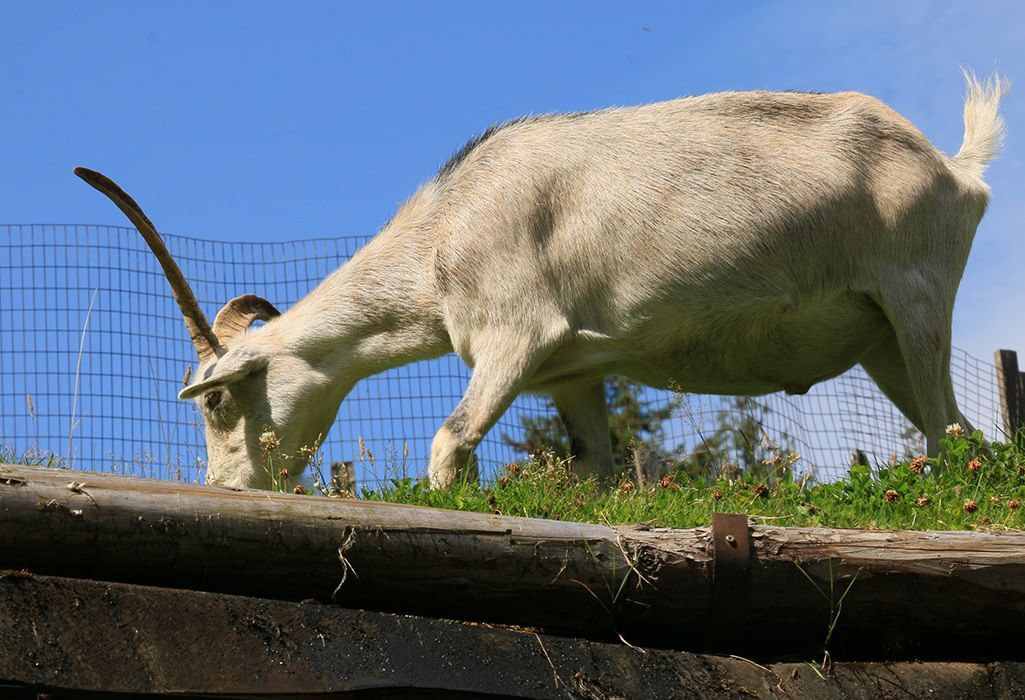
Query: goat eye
point(212, 400)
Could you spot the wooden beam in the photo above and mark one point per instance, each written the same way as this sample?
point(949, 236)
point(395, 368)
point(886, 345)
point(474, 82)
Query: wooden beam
point(70, 638)
point(909, 592)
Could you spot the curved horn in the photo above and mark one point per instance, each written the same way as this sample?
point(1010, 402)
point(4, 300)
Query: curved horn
point(203, 337)
point(239, 313)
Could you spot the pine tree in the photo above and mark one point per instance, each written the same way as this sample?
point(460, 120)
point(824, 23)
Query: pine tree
point(736, 443)
point(637, 428)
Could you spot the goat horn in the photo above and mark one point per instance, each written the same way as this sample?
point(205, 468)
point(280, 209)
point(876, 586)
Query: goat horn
point(239, 313)
point(203, 337)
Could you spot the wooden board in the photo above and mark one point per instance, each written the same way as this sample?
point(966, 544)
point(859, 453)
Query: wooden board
point(912, 592)
point(71, 638)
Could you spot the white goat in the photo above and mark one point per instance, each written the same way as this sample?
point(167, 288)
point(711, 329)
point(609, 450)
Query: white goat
point(734, 243)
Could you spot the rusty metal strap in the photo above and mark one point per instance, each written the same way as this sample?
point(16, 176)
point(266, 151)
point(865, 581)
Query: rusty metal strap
point(731, 562)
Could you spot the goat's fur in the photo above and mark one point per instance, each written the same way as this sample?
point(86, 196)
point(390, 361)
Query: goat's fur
point(734, 243)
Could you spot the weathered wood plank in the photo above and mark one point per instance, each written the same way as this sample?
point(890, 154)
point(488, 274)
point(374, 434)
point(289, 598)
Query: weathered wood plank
point(399, 558)
point(63, 637)
point(912, 591)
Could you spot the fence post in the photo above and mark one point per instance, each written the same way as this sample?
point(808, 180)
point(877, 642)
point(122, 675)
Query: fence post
point(1011, 383)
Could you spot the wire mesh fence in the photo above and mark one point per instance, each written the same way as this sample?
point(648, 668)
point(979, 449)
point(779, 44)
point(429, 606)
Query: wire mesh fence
point(93, 352)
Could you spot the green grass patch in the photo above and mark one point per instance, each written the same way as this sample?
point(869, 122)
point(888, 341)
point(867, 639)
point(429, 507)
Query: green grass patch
point(971, 487)
point(32, 457)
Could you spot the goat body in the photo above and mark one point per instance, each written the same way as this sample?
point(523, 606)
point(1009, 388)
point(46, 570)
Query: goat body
point(734, 243)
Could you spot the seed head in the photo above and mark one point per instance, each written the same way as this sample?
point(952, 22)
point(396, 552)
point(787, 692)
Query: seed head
point(891, 495)
point(918, 464)
point(922, 501)
point(974, 465)
point(717, 495)
point(1014, 503)
point(269, 442)
point(970, 506)
point(761, 491)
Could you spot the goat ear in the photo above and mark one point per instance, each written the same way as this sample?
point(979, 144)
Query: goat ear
point(230, 368)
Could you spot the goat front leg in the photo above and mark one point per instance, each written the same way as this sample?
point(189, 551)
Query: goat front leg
point(502, 367)
point(583, 411)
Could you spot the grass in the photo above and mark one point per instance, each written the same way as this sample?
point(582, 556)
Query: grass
point(32, 457)
point(972, 487)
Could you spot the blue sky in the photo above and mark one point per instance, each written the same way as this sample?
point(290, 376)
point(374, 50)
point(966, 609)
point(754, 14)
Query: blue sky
point(274, 121)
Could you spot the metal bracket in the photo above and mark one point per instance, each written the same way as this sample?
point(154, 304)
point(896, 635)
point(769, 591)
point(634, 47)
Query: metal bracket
point(731, 562)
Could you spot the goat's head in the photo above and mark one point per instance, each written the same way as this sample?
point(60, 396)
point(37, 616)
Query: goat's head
point(263, 405)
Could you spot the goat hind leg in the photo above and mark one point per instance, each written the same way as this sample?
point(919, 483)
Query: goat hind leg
point(921, 324)
point(884, 363)
point(948, 392)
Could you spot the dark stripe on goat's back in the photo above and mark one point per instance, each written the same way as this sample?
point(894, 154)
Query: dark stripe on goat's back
point(471, 145)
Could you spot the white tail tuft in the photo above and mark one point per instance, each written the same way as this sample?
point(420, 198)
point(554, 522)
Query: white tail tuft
point(983, 125)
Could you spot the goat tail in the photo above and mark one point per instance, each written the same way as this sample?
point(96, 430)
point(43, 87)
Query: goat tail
point(983, 125)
